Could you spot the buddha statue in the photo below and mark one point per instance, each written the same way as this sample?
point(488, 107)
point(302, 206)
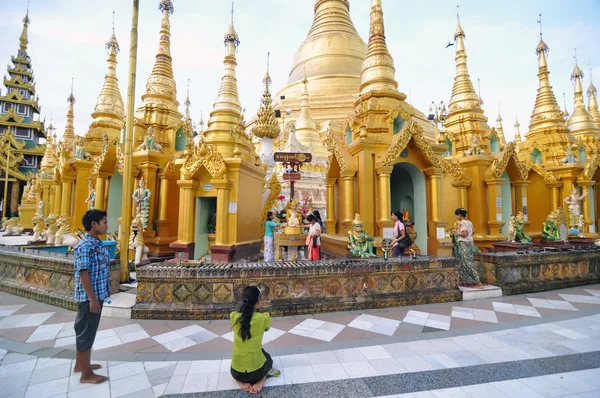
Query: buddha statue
point(475, 148)
point(520, 235)
point(405, 216)
point(149, 143)
point(293, 218)
point(550, 230)
point(360, 243)
point(141, 196)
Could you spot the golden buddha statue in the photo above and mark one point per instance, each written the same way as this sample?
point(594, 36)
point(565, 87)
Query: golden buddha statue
point(550, 230)
point(405, 216)
point(360, 243)
point(293, 218)
point(520, 234)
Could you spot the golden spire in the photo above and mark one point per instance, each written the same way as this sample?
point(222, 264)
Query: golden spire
point(546, 113)
point(161, 86)
point(581, 122)
point(593, 102)
point(226, 115)
point(566, 112)
point(69, 135)
point(109, 111)
point(517, 133)
point(23, 41)
point(201, 124)
point(500, 129)
point(50, 152)
point(378, 72)
point(305, 120)
point(266, 125)
point(464, 98)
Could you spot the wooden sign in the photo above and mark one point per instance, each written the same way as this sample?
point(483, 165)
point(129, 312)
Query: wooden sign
point(291, 176)
point(292, 157)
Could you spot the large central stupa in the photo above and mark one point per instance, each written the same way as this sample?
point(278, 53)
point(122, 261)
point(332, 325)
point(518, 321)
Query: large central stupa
point(331, 56)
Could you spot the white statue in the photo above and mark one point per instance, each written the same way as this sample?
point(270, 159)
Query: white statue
point(64, 235)
point(575, 216)
point(149, 143)
point(136, 241)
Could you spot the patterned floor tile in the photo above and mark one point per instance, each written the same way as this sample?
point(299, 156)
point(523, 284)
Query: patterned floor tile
point(575, 298)
point(375, 324)
point(270, 335)
point(552, 304)
point(317, 329)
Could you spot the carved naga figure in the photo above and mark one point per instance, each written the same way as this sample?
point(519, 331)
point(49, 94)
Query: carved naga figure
point(64, 235)
point(136, 241)
point(360, 243)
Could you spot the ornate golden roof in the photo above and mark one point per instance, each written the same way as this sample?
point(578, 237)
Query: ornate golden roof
point(581, 122)
point(593, 102)
point(266, 125)
point(50, 153)
point(160, 86)
point(109, 111)
point(500, 130)
point(378, 72)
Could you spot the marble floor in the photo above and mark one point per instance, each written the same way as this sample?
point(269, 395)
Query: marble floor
point(543, 344)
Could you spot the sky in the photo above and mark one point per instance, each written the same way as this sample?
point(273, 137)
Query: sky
point(66, 40)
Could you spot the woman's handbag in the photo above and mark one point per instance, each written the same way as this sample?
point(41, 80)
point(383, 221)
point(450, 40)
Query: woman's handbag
point(315, 241)
point(406, 242)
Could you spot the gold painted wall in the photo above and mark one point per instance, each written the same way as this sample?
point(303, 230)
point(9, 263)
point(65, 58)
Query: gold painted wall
point(538, 203)
point(248, 218)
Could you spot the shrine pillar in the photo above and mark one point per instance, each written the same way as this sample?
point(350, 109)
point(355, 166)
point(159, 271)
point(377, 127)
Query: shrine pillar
point(555, 194)
point(348, 194)
point(384, 174)
point(435, 245)
point(101, 191)
point(521, 198)
point(184, 245)
point(163, 237)
point(330, 220)
point(81, 191)
point(223, 188)
point(462, 186)
point(589, 230)
point(67, 192)
point(495, 207)
point(15, 190)
point(46, 186)
point(57, 206)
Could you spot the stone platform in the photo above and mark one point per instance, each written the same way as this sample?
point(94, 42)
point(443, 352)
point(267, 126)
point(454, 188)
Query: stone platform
point(43, 276)
point(538, 271)
point(212, 291)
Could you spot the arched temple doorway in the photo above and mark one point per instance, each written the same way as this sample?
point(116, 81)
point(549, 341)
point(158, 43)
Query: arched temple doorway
point(408, 190)
point(507, 205)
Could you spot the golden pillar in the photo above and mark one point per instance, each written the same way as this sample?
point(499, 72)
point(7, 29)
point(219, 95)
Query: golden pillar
point(435, 220)
point(46, 185)
point(384, 174)
point(184, 245)
point(597, 205)
point(101, 191)
point(348, 192)
point(495, 207)
point(330, 220)
point(462, 192)
point(67, 192)
point(57, 206)
point(555, 194)
point(223, 188)
point(14, 197)
point(81, 191)
point(163, 238)
point(521, 197)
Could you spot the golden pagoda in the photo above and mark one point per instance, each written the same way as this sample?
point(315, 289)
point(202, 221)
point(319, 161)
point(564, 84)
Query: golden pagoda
point(593, 102)
point(500, 132)
point(581, 124)
point(518, 140)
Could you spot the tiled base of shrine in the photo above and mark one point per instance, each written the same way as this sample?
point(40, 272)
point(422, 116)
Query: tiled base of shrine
point(212, 291)
point(43, 276)
point(538, 271)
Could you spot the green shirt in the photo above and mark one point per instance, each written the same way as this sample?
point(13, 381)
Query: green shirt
point(269, 227)
point(247, 354)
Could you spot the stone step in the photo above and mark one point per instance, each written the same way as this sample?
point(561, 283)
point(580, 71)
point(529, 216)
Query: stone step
point(119, 306)
point(488, 291)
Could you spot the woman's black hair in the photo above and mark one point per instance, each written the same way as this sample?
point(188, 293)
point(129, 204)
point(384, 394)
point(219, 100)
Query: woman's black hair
point(310, 218)
point(398, 214)
point(317, 214)
point(250, 297)
point(460, 211)
point(269, 214)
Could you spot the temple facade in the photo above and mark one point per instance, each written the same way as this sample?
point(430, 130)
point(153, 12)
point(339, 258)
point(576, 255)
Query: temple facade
point(22, 134)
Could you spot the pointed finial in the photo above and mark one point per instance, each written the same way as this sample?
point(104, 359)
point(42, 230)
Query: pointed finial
point(113, 23)
point(565, 104)
point(458, 13)
point(187, 99)
point(232, 12)
point(231, 36)
point(26, 19)
point(479, 91)
point(267, 79)
point(540, 22)
point(71, 98)
point(166, 5)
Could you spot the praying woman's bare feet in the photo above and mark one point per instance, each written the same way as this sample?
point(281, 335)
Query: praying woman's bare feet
point(258, 386)
point(94, 366)
point(93, 379)
point(478, 285)
point(245, 386)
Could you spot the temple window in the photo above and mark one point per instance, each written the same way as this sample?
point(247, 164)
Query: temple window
point(536, 156)
point(449, 146)
point(21, 110)
point(348, 135)
point(582, 155)
point(494, 144)
point(398, 124)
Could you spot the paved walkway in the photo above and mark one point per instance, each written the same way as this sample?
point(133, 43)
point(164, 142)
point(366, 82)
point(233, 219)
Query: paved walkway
point(544, 344)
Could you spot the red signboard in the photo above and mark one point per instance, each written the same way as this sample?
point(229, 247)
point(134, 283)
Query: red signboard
point(292, 157)
point(291, 176)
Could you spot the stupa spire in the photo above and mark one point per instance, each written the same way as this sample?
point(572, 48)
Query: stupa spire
point(305, 120)
point(378, 72)
point(69, 135)
point(500, 128)
point(23, 39)
point(517, 132)
point(546, 113)
point(110, 109)
point(581, 122)
point(161, 84)
point(266, 125)
point(464, 97)
point(593, 102)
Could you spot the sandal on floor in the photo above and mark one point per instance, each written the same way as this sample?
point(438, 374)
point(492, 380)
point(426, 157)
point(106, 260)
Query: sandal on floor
point(273, 373)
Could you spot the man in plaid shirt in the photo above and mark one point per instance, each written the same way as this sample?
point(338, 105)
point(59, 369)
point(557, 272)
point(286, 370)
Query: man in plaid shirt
point(92, 287)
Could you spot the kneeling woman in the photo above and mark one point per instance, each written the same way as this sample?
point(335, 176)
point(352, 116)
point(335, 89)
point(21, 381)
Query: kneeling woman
point(250, 364)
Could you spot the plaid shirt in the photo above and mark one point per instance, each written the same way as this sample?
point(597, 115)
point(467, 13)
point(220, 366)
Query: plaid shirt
point(90, 254)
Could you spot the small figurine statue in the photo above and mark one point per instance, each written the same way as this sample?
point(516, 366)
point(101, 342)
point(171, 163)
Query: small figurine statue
point(91, 199)
point(520, 235)
point(13, 227)
point(511, 228)
point(32, 195)
point(405, 216)
point(142, 199)
point(136, 241)
point(575, 217)
point(569, 155)
point(149, 143)
point(40, 209)
point(26, 190)
point(475, 148)
point(550, 230)
point(64, 235)
point(360, 243)
point(293, 218)
point(80, 152)
point(52, 228)
point(39, 227)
